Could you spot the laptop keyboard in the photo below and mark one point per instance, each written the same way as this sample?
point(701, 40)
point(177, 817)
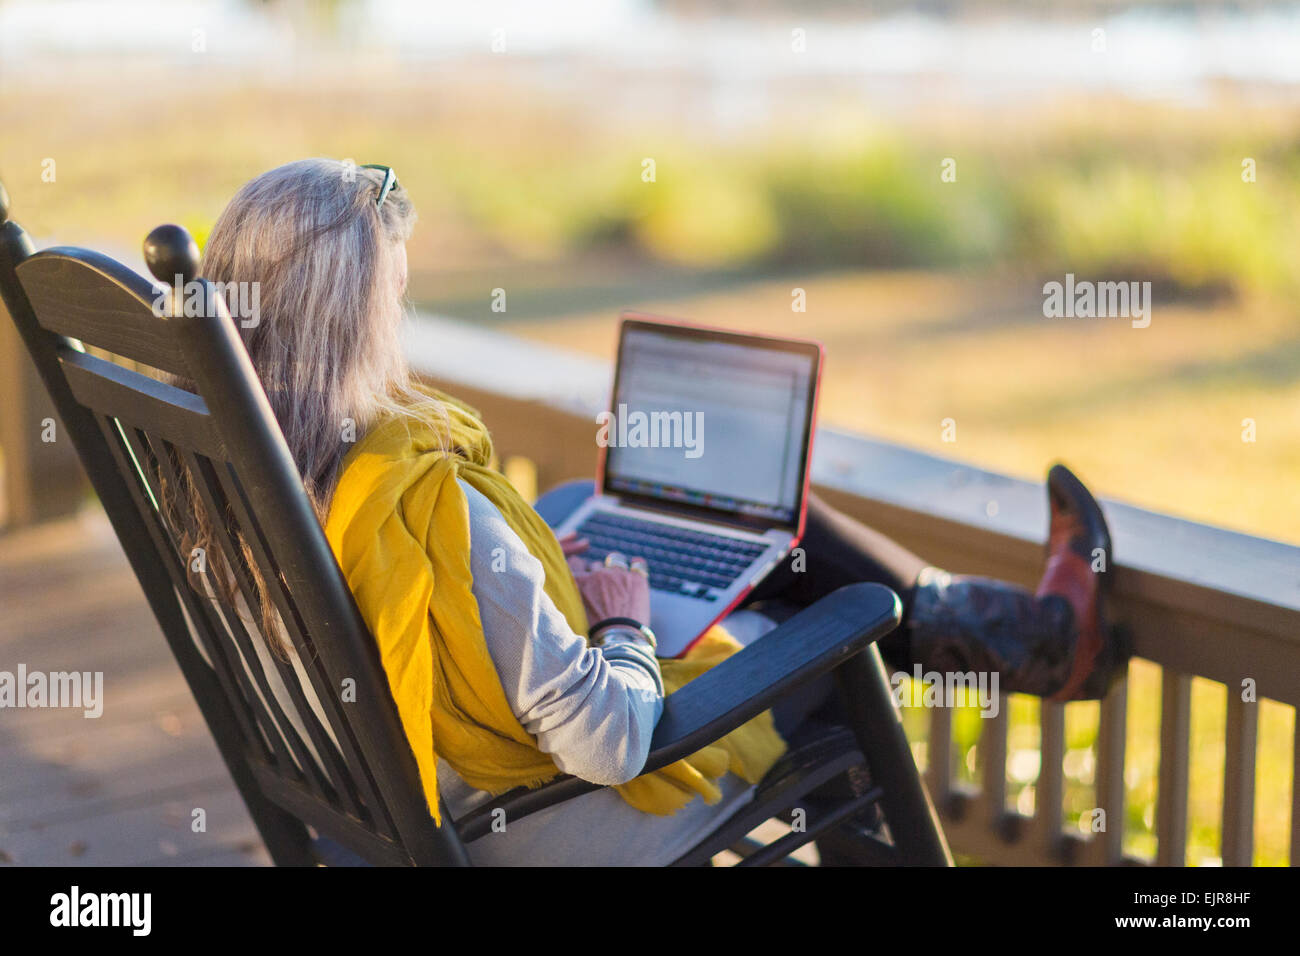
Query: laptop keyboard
point(681, 560)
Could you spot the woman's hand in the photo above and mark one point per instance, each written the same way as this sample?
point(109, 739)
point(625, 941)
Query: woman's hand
point(612, 591)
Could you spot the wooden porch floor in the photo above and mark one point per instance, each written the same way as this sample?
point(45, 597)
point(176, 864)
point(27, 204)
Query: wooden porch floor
point(121, 788)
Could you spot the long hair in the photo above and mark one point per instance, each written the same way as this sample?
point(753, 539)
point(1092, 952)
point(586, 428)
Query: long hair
point(330, 272)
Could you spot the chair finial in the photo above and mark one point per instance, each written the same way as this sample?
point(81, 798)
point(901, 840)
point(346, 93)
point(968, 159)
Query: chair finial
point(4, 204)
point(170, 251)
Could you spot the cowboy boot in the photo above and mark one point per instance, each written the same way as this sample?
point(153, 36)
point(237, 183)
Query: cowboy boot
point(1052, 643)
point(1079, 563)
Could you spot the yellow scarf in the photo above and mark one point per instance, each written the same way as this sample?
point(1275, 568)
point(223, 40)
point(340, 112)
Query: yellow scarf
point(399, 526)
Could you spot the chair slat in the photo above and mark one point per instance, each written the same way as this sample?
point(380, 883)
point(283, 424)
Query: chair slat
point(335, 778)
point(92, 298)
point(1175, 753)
point(1239, 739)
point(227, 616)
point(208, 622)
point(159, 408)
point(309, 808)
point(152, 519)
point(360, 774)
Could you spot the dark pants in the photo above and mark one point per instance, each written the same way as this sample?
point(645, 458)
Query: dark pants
point(835, 551)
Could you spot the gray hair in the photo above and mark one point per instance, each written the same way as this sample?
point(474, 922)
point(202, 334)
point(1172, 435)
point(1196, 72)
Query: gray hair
point(325, 343)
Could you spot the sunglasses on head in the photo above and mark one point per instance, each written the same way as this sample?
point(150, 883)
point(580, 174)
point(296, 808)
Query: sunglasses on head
point(390, 181)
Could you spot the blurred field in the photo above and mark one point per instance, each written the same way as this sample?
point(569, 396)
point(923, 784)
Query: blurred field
point(927, 294)
point(504, 176)
point(1152, 416)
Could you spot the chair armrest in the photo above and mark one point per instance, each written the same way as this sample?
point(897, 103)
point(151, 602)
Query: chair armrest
point(805, 647)
point(808, 645)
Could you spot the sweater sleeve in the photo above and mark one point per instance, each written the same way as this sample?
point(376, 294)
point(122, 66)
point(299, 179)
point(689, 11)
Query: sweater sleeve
point(593, 711)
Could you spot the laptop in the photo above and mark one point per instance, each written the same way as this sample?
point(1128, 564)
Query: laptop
point(703, 469)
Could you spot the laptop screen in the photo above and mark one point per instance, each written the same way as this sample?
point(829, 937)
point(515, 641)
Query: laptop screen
point(711, 420)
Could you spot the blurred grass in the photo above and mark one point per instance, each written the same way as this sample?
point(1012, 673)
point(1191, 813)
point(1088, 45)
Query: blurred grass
point(1150, 416)
point(1112, 189)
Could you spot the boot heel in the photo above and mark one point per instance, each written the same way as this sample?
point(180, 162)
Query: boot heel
point(1113, 667)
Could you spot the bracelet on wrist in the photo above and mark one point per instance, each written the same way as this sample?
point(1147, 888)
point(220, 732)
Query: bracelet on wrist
point(596, 631)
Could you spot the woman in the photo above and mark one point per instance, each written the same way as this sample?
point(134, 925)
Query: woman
point(483, 618)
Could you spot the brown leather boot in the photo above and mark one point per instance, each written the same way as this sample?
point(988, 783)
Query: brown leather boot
point(1053, 643)
point(1079, 563)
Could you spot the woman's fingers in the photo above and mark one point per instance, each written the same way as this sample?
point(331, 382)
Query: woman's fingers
point(614, 561)
point(615, 588)
point(570, 543)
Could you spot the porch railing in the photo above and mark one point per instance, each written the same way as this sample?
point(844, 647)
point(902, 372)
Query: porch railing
point(1198, 601)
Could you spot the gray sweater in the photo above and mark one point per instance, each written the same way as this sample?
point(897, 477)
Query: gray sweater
point(593, 709)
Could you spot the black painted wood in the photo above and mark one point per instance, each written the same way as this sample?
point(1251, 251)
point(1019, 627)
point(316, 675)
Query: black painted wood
point(285, 836)
point(124, 393)
point(812, 643)
point(131, 431)
point(92, 298)
point(171, 254)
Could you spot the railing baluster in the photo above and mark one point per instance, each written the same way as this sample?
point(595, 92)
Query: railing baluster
point(939, 757)
point(1051, 777)
point(993, 750)
point(1238, 843)
point(1171, 798)
point(1110, 774)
